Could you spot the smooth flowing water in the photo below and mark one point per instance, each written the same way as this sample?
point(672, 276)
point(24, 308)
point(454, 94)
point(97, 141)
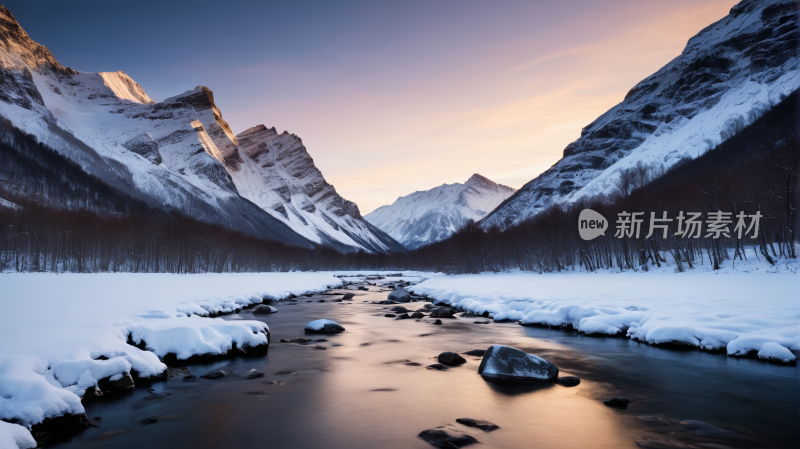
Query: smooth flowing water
point(365, 389)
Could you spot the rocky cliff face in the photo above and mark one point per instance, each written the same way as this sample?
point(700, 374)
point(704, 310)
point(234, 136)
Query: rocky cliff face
point(424, 217)
point(281, 178)
point(728, 75)
point(179, 153)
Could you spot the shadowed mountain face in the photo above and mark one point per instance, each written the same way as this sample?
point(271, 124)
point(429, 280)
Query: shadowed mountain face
point(729, 74)
point(428, 216)
point(177, 154)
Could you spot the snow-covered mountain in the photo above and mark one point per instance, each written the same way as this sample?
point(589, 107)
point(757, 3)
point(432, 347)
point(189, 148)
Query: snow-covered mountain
point(428, 216)
point(176, 154)
point(728, 75)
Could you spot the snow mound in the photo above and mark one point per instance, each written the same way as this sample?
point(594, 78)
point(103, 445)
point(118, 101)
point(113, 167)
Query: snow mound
point(14, 436)
point(195, 335)
point(774, 351)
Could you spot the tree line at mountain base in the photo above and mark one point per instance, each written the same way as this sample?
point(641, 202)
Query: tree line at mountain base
point(63, 219)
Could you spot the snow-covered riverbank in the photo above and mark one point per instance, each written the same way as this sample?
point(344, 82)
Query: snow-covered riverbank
point(754, 308)
point(53, 328)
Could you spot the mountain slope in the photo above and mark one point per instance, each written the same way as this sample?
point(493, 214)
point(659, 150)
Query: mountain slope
point(177, 154)
point(279, 176)
point(728, 75)
point(428, 216)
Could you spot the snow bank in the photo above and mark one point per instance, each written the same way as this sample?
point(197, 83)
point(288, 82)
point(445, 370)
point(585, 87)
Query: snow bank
point(54, 327)
point(751, 309)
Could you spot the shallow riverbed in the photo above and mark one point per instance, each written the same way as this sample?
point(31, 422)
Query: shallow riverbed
point(361, 390)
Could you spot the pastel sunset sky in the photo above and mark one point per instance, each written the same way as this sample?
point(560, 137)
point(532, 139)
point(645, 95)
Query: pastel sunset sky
point(388, 97)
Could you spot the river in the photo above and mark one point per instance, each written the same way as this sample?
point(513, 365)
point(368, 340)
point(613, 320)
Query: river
point(365, 389)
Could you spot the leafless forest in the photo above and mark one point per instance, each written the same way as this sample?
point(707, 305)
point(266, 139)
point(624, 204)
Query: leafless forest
point(62, 219)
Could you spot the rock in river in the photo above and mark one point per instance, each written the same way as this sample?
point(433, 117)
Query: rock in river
point(348, 296)
point(253, 374)
point(447, 437)
point(324, 327)
point(216, 374)
point(505, 363)
point(450, 359)
point(568, 381)
point(442, 312)
point(476, 352)
point(417, 315)
point(617, 403)
point(264, 309)
point(403, 316)
point(400, 295)
point(486, 426)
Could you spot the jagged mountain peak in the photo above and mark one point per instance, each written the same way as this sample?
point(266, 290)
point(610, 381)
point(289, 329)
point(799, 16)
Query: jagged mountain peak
point(727, 76)
point(19, 52)
point(424, 217)
point(284, 181)
point(177, 154)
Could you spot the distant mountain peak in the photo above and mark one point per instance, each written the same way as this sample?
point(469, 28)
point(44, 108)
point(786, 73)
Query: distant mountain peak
point(427, 216)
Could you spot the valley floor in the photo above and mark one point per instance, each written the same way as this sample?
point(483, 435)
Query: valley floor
point(55, 328)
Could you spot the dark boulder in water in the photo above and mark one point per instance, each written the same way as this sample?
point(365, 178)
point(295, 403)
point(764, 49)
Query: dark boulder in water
point(442, 312)
point(486, 426)
point(504, 363)
point(399, 295)
point(253, 374)
point(450, 359)
point(216, 374)
point(447, 437)
point(324, 327)
point(568, 381)
point(264, 309)
point(617, 403)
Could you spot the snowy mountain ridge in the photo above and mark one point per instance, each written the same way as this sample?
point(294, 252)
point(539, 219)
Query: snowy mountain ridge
point(728, 75)
point(179, 153)
point(424, 217)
